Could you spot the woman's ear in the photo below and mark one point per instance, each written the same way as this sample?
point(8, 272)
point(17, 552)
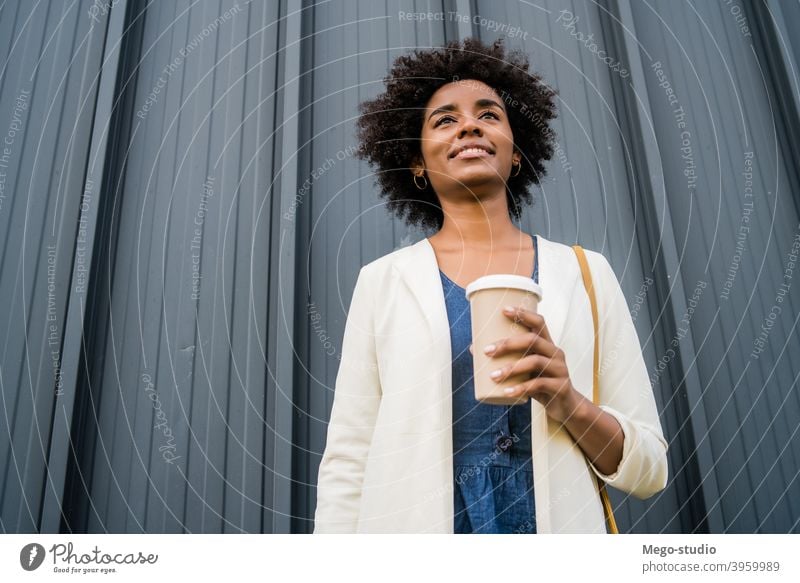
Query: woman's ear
point(417, 167)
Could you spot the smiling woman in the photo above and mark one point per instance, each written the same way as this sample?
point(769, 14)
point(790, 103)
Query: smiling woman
point(457, 138)
point(429, 94)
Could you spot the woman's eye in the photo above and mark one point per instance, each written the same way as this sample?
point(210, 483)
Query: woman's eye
point(447, 117)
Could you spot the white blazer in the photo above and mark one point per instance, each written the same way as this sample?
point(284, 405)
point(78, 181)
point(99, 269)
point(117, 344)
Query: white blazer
point(388, 461)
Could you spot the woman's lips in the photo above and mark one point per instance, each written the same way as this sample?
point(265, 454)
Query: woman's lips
point(472, 153)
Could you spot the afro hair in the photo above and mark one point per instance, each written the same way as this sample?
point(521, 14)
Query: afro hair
point(389, 127)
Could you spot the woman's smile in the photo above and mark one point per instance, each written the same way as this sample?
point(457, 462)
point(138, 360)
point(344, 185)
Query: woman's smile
point(472, 153)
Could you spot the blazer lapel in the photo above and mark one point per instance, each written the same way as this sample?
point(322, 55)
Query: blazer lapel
point(557, 279)
point(419, 271)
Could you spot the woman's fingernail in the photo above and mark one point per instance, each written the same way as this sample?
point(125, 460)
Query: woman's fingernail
point(508, 309)
point(510, 389)
point(496, 374)
point(489, 348)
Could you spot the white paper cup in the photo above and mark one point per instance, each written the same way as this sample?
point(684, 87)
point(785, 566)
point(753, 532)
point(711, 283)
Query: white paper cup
point(488, 296)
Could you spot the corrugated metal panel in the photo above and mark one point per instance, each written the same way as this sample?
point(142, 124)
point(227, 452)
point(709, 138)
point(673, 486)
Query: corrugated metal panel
point(51, 56)
point(736, 244)
point(183, 432)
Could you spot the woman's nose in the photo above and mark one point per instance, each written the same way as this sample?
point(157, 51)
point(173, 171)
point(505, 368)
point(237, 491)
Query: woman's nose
point(470, 125)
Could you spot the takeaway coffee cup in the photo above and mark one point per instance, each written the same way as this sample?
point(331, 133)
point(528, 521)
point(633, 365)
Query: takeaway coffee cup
point(488, 296)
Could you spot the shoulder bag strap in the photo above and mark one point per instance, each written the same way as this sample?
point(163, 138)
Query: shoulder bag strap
point(587, 282)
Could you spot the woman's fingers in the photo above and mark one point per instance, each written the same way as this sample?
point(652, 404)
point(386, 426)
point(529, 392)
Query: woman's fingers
point(543, 389)
point(537, 340)
point(529, 343)
point(531, 319)
point(535, 365)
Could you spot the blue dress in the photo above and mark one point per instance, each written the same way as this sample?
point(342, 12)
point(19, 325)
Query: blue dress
point(492, 465)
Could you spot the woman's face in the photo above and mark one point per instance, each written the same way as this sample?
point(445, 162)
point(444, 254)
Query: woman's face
point(459, 115)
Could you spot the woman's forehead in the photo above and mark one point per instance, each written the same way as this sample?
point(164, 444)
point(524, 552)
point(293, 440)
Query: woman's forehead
point(464, 92)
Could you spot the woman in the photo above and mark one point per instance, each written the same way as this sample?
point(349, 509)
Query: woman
point(458, 136)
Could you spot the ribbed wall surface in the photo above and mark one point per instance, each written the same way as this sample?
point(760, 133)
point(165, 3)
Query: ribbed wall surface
point(187, 284)
point(735, 238)
point(51, 57)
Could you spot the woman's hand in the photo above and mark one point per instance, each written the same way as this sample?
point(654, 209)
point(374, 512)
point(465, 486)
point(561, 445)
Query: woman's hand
point(549, 380)
point(598, 433)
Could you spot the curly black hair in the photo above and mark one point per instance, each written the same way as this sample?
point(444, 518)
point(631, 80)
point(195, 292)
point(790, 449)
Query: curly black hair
point(390, 125)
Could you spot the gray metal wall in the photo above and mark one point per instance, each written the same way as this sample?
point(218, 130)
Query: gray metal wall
point(185, 171)
point(50, 82)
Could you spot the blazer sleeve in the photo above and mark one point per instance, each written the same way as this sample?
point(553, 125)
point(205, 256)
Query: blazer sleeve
point(625, 392)
point(357, 397)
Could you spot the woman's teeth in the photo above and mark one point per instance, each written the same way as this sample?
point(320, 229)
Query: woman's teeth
point(472, 152)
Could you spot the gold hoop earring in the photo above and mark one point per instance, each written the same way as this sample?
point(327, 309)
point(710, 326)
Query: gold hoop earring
point(417, 184)
point(519, 169)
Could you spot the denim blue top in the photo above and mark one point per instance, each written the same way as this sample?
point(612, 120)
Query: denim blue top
point(492, 466)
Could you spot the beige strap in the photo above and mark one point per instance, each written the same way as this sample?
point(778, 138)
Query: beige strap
point(587, 282)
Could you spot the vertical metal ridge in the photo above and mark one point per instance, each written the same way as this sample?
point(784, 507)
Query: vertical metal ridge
point(465, 10)
point(60, 437)
point(776, 44)
point(282, 270)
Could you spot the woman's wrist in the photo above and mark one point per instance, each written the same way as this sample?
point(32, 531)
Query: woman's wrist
point(573, 408)
point(596, 432)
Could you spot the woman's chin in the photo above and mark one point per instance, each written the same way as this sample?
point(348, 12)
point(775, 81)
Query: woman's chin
point(479, 178)
point(475, 190)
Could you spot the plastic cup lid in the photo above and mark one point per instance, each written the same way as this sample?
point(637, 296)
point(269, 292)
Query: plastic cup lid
point(503, 280)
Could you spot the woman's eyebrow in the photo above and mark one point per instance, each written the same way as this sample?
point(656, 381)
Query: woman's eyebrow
point(453, 107)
